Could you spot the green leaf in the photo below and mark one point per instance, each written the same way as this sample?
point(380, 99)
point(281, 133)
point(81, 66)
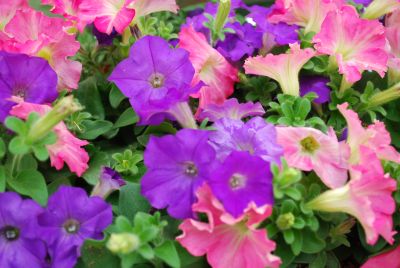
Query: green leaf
point(297, 242)
point(95, 255)
point(115, 97)
point(123, 224)
point(40, 152)
point(89, 96)
point(16, 125)
point(319, 261)
point(3, 179)
point(93, 129)
point(303, 107)
point(146, 252)
point(92, 174)
point(30, 183)
point(288, 235)
point(128, 117)
point(167, 252)
point(312, 243)
point(18, 146)
point(131, 201)
point(2, 148)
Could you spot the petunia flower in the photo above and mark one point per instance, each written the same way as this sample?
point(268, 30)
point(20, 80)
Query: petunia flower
point(20, 242)
point(318, 85)
point(228, 242)
point(367, 197)
point(375, 137)
point(255, 137)
point(68, 149)
point(393, 38)
point(211, 68)
point(242, 179)
point(70, 218)
point(109, 181)
point(147, 7)
point(8, 9)
point(362, 2)
point(156, 78)
point(232, 109)
point(378, 8)
point(28, 78)
point(389, 258)
point(284, 68)
point(356, 44)
point(310, 149)
point(305, 13)
point(176, 166)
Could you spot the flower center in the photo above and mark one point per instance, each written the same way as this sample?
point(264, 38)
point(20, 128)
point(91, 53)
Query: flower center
point(72, 226)
point(237, 181)
point(157, 80)
point(10, 233)
point(19, 91)
point(309, 144)
point(191, 169)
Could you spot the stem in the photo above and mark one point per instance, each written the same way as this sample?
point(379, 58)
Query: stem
point(344, 85)
point(183, 114)
point(15, 163)
point(384, 97)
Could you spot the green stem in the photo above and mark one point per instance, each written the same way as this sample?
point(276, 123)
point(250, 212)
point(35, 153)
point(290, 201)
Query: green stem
point(344, 85)
point(384, 97)
point(15, 163)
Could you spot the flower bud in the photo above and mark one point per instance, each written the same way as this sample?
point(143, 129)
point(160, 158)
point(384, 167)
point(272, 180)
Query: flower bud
point(222, 14)
point(379, 8)
point(123, 243)
point(285, 221)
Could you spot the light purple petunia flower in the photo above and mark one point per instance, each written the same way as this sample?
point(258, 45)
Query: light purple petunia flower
point(70, 218)
point(176, 166)
point(363, 2)
point(232, 109)
point(241, 179)
point(318, 85)
point(244, 41)
point(29, 78)
point(20, 242)
point(155, 78)
point(255, 136)
point(109, 181)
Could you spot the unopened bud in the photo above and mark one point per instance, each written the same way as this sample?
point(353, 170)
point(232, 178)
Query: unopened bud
point(285, 221)
point(224, 8)
point(123, 243)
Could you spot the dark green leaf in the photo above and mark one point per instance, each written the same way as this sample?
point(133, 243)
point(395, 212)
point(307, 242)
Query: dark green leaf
point(167, 252)
point(32, 184)
point(128, 117)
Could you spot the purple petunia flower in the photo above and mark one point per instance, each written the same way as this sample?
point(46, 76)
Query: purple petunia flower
point(244, 41)
point(176, 166)
point(240, 180)
point(29, 78)
point(104, 39)
point(109, 181)
point(19, 237)
point(155, 78)
point(363, 2)
point(232, 109)
point(255, 136)
point(317, 84)
point(70, 218)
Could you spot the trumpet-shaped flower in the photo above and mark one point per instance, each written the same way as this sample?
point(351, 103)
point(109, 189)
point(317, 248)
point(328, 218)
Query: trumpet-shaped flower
point(389, 258)
point(375, 137)
point(176, 166)
point(68, 149)
point(255, 137)
point(232, 109)
point(284, 68)
point(211, 68)
point(367, 197)
point(146, 7)
point(239, 241)
point(356, 44)
point(109, 181)
point(379, 8)
point(306, 13)
point(310, 149)
point(8, 9)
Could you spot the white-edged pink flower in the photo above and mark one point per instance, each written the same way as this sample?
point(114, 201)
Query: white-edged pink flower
point(378, 8)
point(356, 44)
point(310, 149)
point(306, 13)
point(68, 149)
point(284, 68)
point(146, 7)
point(374, 137)
point(218, 75)
point(228, 242)
point(367, 197)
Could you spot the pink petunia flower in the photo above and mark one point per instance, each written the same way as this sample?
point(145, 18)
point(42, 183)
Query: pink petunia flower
point(8, 9)
point(356, 44)
point(378, 8)
point(228, 242)
point(393, 37)
point(211, 68)
point(367, 197)
point(146, 7)
point(68, 149)
point(306, 13)
point(374, 137)
point(284, 68)
point(310, 149)
point(389, 258)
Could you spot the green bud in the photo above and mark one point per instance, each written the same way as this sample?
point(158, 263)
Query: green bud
point(123, 243)
point(224, 8)
point(285, 221)
point(384, 97)
point(343, 228)
point(288, 177)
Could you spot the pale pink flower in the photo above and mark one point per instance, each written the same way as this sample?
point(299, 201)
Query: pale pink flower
point(367, 197)
point(68, 149)
point(310, 149)
point(375, 137)
point(284, 68)
point(378, 8)
point(306, 13)
point(228, 242)
point(356, 44)
point(8, 9)
point(146, 7)
point(389, 258)
point(211, 68)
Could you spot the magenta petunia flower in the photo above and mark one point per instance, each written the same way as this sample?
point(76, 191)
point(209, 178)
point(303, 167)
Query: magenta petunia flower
point(367, 197)
point(276, 67)
point(356, 44)
point(176, 166)
point(70, 218)
point(255, 137)
point(109, 181)
point(389, 258)
point(20, 242)
point(310, 149)
point(228, 242)
point(28, 78)
point(232, 109)
point(240, 180)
